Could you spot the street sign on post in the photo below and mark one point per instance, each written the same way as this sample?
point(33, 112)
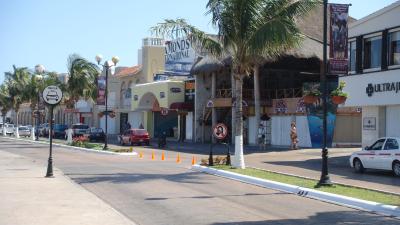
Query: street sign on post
point(164, 111)
point(52, 95)
point(220, 131)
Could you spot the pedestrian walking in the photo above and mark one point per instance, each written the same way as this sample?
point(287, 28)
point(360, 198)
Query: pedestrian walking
point(293, 136)
point(261, 137)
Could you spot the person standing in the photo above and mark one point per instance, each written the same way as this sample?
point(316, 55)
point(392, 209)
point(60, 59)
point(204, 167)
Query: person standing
point(261, 137)
point(293, 136)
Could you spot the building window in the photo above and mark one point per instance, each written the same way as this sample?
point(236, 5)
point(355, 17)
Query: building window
point(352, 56)
point(372, 52)
point(394, 48)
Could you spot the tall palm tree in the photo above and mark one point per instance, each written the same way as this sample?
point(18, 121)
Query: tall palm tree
point(246, 28)
point(17, 82)
point(82, 79)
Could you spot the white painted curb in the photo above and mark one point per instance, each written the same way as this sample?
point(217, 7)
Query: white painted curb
point(74, 147)
point(388, 210)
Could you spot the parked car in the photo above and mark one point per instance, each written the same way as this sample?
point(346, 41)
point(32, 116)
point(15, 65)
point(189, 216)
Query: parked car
point(96, 134)
point(43, 129)
point(384, 154)
point(59, 130)
point(23, 131)
point(9, 128)
point(79, 129)
point(134, 136)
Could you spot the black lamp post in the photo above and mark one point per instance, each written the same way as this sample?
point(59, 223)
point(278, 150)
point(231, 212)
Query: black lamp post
point(39, 69)
point(324, 180)
point(107, 65)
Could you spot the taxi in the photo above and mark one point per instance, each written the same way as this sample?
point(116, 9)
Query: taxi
point(384, 154)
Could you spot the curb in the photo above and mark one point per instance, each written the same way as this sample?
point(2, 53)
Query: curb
point(387, 210)
point(76, 148)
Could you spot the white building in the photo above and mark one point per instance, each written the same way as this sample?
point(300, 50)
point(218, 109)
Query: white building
point(373, 82)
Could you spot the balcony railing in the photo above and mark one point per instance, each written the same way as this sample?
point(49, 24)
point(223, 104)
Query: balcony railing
point(264, 94)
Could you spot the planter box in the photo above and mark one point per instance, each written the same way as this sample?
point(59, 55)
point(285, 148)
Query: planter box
point(338, 100)
point(310, 99)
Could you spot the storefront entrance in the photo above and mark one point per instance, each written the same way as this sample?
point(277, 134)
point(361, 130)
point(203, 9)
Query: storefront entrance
point(167, 124)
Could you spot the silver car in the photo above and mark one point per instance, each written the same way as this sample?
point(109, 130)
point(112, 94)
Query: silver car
point(24, 131)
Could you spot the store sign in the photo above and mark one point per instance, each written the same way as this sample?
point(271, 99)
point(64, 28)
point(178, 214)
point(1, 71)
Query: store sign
point(175, 90)
point(382, 87)
point(189, 91)
point(369, 123)
point(179, 55)
point(338, 38)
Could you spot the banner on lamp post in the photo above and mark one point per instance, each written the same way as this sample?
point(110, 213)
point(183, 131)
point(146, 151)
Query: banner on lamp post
point(101, 90)
point(338, 39)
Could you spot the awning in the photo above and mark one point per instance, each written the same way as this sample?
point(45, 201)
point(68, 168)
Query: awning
point(181, 106)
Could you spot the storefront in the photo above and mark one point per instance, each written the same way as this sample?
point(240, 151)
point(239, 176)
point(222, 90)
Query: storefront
point(373, 82)
point(158, 101)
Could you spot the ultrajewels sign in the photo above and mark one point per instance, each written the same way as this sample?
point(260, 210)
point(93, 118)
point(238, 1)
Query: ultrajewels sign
point(382, 87)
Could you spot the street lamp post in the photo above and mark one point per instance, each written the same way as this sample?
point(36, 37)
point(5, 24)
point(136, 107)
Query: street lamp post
point(39, 70)
point(324, 180)
point(107, 65)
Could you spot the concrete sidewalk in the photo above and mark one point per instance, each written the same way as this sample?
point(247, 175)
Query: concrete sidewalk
point(27, 198)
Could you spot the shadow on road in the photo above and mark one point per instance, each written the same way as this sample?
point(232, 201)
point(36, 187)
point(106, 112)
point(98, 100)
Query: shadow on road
point(331, 218)
point(340, 166)
point(193, 178)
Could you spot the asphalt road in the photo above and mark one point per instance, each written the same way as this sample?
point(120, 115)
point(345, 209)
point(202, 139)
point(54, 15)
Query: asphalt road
point(164, 192)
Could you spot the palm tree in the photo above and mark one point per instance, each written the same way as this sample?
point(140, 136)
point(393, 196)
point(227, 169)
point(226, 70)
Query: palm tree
point(246, 28)
point(82, 79)
point(17, 82)
point(5, 103)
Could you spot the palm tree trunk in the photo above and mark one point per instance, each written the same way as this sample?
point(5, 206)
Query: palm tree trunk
point(239, 159)
point(16, 128)
point(257, 108)
point(213, 109)
point(233, 85)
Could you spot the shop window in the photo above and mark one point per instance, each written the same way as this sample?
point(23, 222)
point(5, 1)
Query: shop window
point(394, 48)
point(372, 49)
point(352, 56)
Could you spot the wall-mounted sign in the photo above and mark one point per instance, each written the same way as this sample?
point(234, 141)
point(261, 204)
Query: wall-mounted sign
point(189, 91)
point(382, 87)
point(369, 123)
point(164, 111)
point(52, 95)
point(162, 94)
point(210, 104)
point(135, 97)
point(175, 90)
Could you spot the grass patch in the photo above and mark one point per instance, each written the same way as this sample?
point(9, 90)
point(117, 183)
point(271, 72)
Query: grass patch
point(349, 191)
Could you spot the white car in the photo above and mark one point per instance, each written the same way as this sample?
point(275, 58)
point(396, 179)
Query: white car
point(9, 129)
point(23, 131)
point(384, 154)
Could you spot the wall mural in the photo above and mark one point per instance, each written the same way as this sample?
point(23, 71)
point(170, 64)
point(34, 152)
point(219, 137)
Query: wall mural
point(315, 116)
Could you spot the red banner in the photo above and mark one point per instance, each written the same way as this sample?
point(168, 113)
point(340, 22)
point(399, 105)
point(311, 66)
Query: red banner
point(101, 90)
point(338, 39)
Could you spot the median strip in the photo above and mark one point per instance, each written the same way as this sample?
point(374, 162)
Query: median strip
point(354, 197)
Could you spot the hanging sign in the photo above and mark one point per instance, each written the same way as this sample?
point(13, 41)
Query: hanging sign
point(338, 38)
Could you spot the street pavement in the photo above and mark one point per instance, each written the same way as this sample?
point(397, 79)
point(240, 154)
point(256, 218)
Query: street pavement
point(159, 192)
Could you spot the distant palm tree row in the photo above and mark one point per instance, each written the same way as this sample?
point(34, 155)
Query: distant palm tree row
point(22, 85)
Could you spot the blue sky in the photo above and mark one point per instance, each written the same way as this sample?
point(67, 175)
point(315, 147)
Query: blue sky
point(47, 31)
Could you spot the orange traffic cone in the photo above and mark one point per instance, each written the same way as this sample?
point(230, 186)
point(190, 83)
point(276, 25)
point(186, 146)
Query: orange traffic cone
point(153, 156)
point(178, 158)
point(141, 155)
point(193, 161)
point(162, 156)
